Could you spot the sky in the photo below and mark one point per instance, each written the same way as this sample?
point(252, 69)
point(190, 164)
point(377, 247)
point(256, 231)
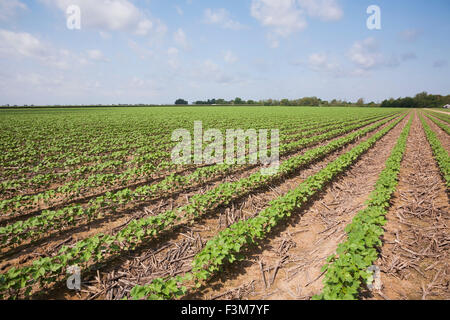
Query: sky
point(155, 51)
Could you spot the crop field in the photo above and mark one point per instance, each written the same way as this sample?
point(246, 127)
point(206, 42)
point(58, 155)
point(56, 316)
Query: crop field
point(358, 207)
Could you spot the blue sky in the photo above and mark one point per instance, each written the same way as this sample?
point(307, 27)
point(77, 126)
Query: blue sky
point(155, 51)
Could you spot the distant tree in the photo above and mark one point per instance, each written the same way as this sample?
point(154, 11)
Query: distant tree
point(285, 102)
point(181, 102)
point(360, 102)
point(238, 101)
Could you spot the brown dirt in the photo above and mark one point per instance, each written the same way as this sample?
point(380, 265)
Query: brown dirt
point(288, 265)
point(441, 134)
point(174, 257)
point(52, 241)
point(415, 257)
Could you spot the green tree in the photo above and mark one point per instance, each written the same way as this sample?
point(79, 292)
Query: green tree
point(181, 102)
point(238, 101)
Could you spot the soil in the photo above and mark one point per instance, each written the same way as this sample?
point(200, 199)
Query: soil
point(288, 265)
point(415, 257)
point(175, 256)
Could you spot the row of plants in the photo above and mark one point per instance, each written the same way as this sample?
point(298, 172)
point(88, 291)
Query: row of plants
point(92, 250)
point(38, 226)
point(74, 150)
point(228, 246)
point(123, 140)
point(142, 172)
point(440, 124)
point(347, 271)
point(443, 117)
point(439, 152)
point(156, 154)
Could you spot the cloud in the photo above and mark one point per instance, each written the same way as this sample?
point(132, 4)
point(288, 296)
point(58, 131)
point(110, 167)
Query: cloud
point(230, 57)
point(326, 10)
point(284, 17)
point(320, 62)
point(110, 15)
point(9, 9)
point(208, 71)
point(180, 39)
point(221, 17)
point(365, 54)
point(96, 55)
point(439, 63)
point(143, 27)
point(23, 45)
point(410, 35)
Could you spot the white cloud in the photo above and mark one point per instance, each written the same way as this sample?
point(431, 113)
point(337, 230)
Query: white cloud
point(230, 57)
point(221, 17)
point(365, 54)
point(326, 10)
point(320, 62)
point(208, 71)
point(109, 15)
point(284, 17)
point(143, 27)
point(96, 55)
point(19, 45)
point(180, 39)
point(9, 8)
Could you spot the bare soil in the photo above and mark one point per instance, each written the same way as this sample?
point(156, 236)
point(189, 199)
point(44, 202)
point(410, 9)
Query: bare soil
point(415, 257)
point(175, 256)
point(288, 265)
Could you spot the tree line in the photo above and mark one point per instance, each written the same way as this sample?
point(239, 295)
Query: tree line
point(421, 100)
point(306, 101)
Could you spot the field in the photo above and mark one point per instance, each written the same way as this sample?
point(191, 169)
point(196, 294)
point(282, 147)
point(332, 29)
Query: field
point(358, 208)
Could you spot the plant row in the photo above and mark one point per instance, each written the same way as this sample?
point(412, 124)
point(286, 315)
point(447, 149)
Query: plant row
point(144, 171)
point(441, 125)
point(228, 245)
point(439, 152)
point(99, 247)
point(36, 227)
point(348, 270)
